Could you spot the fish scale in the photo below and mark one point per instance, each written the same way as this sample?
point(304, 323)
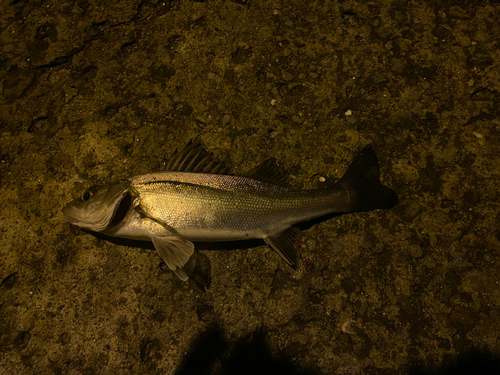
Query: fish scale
point(215, 208)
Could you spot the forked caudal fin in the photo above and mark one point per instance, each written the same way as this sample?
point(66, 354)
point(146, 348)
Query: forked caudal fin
point(362, 182)
point(364, 193)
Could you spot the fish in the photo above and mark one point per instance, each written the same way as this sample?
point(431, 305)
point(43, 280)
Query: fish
point(195, 198)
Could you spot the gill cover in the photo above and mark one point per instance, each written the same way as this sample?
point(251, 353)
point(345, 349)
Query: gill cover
point(98, 206)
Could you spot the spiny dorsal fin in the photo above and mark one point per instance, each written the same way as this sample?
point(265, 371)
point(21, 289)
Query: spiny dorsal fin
point(194, 158)
point(269, 171)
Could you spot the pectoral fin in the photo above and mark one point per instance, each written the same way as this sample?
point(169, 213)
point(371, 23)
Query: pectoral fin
point(177, 253)
point(283, 244)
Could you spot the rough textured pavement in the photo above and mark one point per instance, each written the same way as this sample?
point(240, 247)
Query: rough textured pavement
point(92, 92)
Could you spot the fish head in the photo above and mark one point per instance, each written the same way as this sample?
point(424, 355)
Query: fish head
point(99, 207)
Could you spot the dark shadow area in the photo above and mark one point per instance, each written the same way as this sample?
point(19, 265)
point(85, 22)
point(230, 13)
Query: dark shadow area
point(308, 224)
point(211, 354)
point(202, 272)
point(475, 361)
point(122, 241)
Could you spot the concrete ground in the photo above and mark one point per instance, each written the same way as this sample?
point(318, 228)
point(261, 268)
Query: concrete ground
point(93, 93)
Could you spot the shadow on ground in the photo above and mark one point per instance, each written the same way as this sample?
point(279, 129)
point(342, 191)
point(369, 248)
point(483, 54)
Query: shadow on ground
point(475, 361)
point(212, 354)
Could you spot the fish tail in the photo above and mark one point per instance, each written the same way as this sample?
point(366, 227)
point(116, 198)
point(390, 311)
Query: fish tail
point(362, 183)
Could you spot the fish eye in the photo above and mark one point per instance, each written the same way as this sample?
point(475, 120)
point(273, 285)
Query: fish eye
point(86, 196)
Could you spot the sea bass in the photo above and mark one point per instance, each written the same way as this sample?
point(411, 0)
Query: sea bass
point(195, 199)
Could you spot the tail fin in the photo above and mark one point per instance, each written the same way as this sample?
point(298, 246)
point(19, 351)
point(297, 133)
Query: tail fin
point(362, 181)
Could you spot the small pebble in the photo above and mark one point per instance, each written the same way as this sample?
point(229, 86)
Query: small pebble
point(311, 244)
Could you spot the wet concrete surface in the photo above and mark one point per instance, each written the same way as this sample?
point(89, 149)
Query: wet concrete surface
point(92, 93)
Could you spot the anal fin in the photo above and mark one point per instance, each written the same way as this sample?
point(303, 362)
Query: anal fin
point(284, 244)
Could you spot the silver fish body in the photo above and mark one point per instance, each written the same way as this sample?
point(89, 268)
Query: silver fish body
point(176, 207)
point(207, 207)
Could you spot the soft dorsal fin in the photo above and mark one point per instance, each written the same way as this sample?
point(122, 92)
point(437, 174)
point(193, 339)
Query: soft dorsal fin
point(194, 158)
point(269, 171)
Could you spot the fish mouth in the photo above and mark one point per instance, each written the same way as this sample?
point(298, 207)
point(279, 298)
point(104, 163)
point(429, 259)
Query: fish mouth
point(121, 210)
point(68, 214)
point(109, 208)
